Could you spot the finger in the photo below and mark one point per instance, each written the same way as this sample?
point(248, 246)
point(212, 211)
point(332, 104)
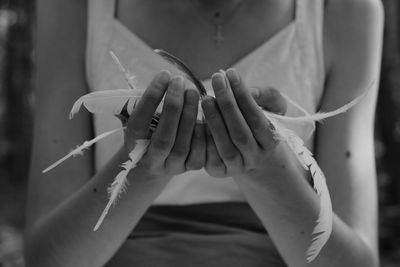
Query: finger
point(164, 136)
point(269, 99)
point(197, 155)
point(259, 125)
point(214, 164)
point(238, 129)
point(176, 159)
point(226, 149)
point(139, 121)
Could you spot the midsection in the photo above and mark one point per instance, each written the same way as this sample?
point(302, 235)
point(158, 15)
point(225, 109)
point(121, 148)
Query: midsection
point(187, 30)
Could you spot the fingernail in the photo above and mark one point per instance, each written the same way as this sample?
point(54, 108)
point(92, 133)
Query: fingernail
point(191, 96)
point(208, 106)
point(164, 76)
point(178, 80)
point(255, 92)
point(218, 82)
point(233, 76)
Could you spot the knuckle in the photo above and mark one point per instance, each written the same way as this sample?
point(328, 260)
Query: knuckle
point(135, 132)
point(172, 167)
point(179, 152)
point(190, 108)
point(161, 144)
point(147, 164)
point(241, 140)
point(172, 107)
point(195, 162)
point(194, 165)
point(230, 157)
point(256, 122)
point(188, 116)
point(153, 98)
point(215, 171)
point(226, 105)
point(160, 84)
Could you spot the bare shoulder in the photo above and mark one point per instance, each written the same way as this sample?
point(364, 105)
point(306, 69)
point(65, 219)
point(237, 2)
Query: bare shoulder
point(353, 34)
point(61, 28)
point(353, 39)
point(347, 16)
point(59, 80)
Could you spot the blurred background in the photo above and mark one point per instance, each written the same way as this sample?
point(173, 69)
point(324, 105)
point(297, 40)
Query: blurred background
point(16, 112)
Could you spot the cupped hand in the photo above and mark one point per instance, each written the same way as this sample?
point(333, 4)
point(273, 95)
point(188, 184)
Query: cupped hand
point(172, 149)
point(239, 137)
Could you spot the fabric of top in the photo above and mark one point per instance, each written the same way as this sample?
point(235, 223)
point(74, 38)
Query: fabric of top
point(290, 61)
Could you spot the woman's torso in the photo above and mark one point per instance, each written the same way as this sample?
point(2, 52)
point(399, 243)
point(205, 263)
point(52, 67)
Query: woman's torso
point(284, 52)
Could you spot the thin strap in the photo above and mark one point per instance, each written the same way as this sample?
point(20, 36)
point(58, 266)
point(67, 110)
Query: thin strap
point(310, 26)
point(100, 17)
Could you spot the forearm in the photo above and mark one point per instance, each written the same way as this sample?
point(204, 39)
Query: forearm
point(65, 237)
point(288, 208)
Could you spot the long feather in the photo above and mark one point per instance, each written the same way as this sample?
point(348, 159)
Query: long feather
point(120, 182)
point(293, 103)
point(323, 227)
point(319, 116)
point(108, 101)
point(79, 149)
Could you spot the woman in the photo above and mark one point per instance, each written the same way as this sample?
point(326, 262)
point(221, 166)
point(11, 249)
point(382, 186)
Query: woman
point(320, 53)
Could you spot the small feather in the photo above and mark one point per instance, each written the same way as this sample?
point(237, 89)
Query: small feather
point(79, 150)
point(108, 101)
point(120, 182)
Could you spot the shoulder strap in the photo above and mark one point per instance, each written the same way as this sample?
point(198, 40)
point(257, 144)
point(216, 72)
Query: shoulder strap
point(310, 34)
point(100, 18)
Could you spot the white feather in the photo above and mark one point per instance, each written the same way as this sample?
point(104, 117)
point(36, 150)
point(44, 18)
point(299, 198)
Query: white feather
point(323, 227)
point(319, 116)
point(290, 101)
point(79, 149)
point(107, 102)
point(120, 182)
point(114, 101)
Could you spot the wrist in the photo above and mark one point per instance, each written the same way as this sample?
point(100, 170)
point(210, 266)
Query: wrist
point(280, 162)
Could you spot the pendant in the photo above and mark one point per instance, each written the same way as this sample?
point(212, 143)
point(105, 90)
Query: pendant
point(218, 37)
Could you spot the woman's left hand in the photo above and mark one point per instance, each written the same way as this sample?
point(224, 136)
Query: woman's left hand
point(239, 137)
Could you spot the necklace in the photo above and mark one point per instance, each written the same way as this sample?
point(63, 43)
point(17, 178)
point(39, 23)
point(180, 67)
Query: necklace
point(220, 21)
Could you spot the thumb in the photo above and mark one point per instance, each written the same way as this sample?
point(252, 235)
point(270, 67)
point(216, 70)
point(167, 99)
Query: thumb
point(269, 99)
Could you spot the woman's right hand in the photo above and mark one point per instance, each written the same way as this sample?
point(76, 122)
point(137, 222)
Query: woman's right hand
point(172, 149)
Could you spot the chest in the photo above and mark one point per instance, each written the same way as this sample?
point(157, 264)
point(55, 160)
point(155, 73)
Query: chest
point(184, 30)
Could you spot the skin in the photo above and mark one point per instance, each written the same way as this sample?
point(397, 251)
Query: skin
point(267, 174)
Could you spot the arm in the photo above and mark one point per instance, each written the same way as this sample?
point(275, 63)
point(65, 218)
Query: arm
point(279, 192)
point(64, 205)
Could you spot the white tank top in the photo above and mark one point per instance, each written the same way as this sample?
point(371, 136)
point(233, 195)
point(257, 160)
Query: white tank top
point(290, 61)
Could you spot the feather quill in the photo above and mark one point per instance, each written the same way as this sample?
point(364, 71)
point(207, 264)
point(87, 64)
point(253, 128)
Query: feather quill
point(129, 77)
point(79, 150)
point(120, 182)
